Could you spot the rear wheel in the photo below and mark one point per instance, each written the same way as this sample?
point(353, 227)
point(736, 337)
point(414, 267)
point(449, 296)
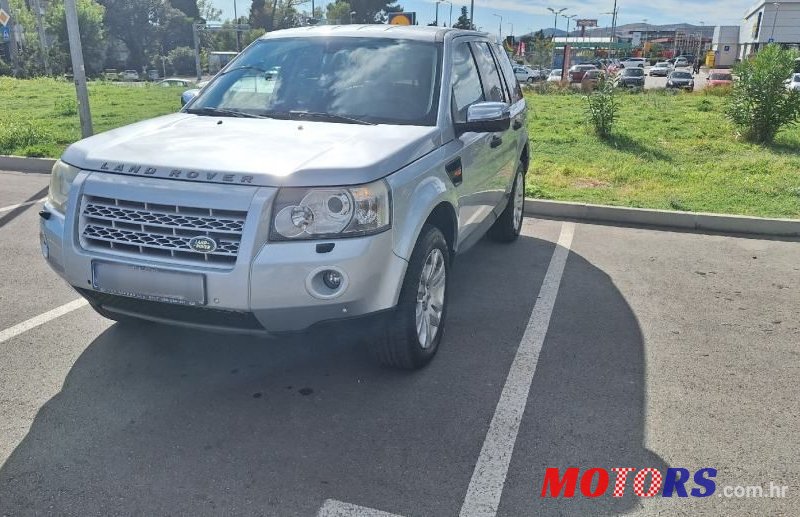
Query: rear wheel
point(509, 225)
point(410, 337)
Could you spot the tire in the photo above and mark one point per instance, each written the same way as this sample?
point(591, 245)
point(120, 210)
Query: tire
point(397, 342)
point(531, 80)
point(509, 225)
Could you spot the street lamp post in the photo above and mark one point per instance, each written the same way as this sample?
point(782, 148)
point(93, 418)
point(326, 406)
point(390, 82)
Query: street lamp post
point(436, 21)
point(777, 10)
point(437, 11)
point(555, 17)
point(500, 34)
point(570, 17)
point(512, 28)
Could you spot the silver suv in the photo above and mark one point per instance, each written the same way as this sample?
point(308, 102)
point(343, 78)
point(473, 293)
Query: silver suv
point(326, 173)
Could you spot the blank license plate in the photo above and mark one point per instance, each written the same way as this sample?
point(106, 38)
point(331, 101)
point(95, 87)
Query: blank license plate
point(148, 283)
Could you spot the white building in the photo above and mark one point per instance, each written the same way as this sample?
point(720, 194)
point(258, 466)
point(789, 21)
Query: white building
point(775, 21)
point(725, 45)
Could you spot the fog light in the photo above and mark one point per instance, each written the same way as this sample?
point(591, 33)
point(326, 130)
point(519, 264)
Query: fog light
point(332, 279)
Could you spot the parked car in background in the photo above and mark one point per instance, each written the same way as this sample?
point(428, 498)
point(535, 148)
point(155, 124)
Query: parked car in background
point(660, 69)
point(174, 81)
point(631, 78)
point(633, 62)
point(793, 83)
point(681, 79)
point(555, 75)
point(130, 75)
point(576, 72)
point(681, 62)
point(719, 78)
point(591, 79)
point(526, 74)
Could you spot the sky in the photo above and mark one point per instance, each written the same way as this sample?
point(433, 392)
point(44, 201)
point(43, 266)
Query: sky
point(528, 15)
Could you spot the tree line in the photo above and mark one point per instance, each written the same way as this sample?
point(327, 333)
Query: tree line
point(158, 34)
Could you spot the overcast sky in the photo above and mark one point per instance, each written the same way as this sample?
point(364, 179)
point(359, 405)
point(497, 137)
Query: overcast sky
point(530, 14)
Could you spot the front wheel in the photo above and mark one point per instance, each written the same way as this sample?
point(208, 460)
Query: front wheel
point(509, 225)
point(410, 337)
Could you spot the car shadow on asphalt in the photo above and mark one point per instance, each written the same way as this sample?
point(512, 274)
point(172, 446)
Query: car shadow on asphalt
point(155, 421)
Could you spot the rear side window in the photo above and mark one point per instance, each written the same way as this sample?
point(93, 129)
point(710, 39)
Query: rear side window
point(492, 84)
point(466, 82)
point(508, 72)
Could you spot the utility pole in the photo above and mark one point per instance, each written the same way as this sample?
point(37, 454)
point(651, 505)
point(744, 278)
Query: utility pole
point(78, 68)
point(471, 15)
point(198, 68)
point(42, 36)
point(238, 34)
point(12, 43)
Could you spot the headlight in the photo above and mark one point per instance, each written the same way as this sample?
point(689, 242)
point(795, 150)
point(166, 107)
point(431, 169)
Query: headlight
point(326, 213)
point(60, 182)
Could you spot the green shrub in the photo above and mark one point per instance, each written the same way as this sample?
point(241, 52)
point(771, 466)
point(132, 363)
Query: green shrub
point(759, 104)
point(15, 136)
point(705, 106)
point(66, 107)
point(182, 60)
point(602, 108)
point(718, 91)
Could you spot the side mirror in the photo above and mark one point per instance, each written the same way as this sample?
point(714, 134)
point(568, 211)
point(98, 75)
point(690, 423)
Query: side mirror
point(486, 117)
point(188, 95)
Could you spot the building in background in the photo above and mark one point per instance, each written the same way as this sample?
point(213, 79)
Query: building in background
point(767, 22)
point(725, 45)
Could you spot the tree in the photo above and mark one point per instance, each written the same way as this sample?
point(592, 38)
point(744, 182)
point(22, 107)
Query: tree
point(208, 12)
point(372, 11)
point(260, 14)
point(93, 36)
point(760, 105)
point(338, 12)
point(463, 20)
point(137, 24)
point(188, 7)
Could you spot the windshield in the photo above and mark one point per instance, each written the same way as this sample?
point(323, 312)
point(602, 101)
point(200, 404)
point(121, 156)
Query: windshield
point(374, 80)
point(721, 77)
point(681, 75)
point(633, 72)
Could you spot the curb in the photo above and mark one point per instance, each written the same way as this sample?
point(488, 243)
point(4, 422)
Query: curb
point(30, 165)
point(665, 218)
point(564, 209)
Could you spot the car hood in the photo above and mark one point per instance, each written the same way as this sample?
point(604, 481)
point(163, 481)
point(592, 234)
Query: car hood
point(264, 152)
point(679, 80)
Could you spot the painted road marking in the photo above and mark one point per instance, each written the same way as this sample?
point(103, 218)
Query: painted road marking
point(41, 319)
point(489, 476)
point(491, 469)
point(334, 508)
point(13, 207)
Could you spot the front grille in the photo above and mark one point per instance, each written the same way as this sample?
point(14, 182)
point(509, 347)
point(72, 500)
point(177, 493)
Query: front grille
point(160, 231)
point(234, 320)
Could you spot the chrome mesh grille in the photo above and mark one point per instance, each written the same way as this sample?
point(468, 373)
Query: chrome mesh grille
point(160, 231)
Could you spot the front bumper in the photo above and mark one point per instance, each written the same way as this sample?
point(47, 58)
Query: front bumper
point(267, 290)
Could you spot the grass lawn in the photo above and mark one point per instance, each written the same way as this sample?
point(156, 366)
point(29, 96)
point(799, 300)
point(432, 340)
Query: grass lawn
point(668, 151)
point(39, 116)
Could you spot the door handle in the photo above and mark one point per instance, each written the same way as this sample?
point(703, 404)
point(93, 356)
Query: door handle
point(517, 124)
point(496, 142)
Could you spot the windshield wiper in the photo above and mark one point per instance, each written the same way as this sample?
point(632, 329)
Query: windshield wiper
point(222, 112)
point(329, 117)
point(243, 67)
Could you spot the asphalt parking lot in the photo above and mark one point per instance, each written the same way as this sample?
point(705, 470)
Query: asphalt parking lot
point(662, 349)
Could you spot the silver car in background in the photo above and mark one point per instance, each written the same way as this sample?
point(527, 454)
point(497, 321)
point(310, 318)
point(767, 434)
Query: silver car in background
point(325, 174)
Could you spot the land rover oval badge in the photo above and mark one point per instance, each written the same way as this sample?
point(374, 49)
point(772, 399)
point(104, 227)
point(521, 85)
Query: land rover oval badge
point(203, 244)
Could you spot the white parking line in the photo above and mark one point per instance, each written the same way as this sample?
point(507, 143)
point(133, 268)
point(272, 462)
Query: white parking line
point(12, 207)
point(41, 319)
point(334, 508)
point(489, 476)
